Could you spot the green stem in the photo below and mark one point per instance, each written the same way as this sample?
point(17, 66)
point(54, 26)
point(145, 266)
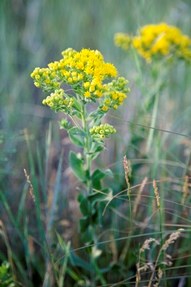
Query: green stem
point(153, 122)
point(87, 148)
point(88, 164)
point(126, 248)
point(98, 272)
point(130, 207)
point(161, 220)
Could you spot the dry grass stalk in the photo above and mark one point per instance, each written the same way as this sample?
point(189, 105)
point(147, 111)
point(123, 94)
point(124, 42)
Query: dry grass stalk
point(147, 265)
point(154, 206)
point(155, 265)
point(156, 192)
point(173, 237)
point(127, 169)
point(146, 244)
point(113, 247)
point(185, 189)
point(143, 268)
point(138, 198)
point(31, 190)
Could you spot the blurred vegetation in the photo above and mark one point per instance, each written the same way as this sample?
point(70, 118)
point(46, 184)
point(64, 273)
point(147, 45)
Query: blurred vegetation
point(33, 33)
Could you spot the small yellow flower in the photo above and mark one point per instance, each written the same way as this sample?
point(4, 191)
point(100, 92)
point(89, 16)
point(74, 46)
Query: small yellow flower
point(86, 85)
point(74, 74)
point(37, 84)
point(98, 94)
point(114, 96)
point(80, 77)
point(107, 102)
point(70, 80)
point(87, 94)
point(92, 88)
point(104, 108)
point(102, 131)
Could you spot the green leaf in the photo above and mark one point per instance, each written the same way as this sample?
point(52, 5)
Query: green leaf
point(96, 149)
point(98, 175)
point(96, 178)
point(85, 206)
point(77, 261)
point(99, 148)
point(76, 136)
point(96, 117)
point(76, 163)
point(84, 224)
point(65, 124)
point(77, 108)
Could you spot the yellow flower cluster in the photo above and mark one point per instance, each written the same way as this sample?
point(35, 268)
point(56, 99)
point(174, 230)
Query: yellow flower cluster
point(84, 71)
point(116, 93)
point(122, 40)
point(102, 131)
point(58, 101)
point(45, 78)
point(160, 40)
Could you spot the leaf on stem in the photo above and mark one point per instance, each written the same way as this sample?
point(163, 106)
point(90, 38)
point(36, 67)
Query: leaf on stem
point(98, 175)
point(76, 136)
point(77, 166)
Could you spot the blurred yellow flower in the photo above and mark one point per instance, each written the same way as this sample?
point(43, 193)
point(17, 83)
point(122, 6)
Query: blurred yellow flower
point(122, 40)
point(157, 41)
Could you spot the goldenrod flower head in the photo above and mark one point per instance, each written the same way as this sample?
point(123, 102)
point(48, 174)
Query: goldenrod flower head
point(78, 69)
point(159, 41)
point(102, 131)
point(88, 77)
